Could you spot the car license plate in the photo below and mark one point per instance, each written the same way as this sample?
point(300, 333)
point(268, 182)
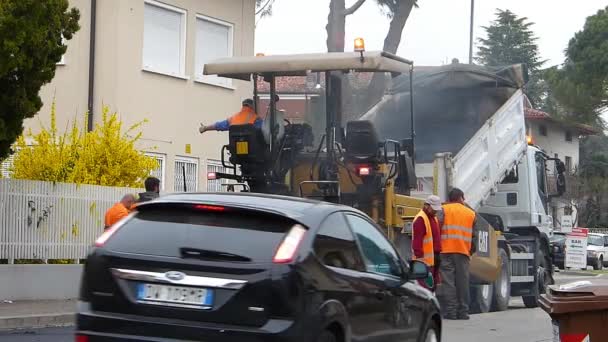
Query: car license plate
point(167, 295)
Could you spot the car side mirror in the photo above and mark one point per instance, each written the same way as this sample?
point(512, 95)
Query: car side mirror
point(418, 270)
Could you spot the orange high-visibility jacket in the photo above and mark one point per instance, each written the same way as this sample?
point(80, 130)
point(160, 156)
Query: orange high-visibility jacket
point(457, 229)
point(245, 116)
point(115, 214)
point(427, 242)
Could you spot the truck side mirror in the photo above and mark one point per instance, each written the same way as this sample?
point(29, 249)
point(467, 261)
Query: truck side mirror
point(561, 184)
point(561, 177)
point(560, 166)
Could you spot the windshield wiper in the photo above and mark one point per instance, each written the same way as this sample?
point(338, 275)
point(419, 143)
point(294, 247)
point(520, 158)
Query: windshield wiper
point(206, 254)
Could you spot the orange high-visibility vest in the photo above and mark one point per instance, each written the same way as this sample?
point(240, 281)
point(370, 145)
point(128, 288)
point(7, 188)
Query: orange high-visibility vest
point(427, 243)
point(115, 214)
point(245, 116)
point(457, 229)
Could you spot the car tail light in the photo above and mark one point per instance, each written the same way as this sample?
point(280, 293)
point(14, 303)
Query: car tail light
point(211, 176)
point(289, 246)
point(101, 240)
point(364, 170)
point(209, 207)
point(81, 338)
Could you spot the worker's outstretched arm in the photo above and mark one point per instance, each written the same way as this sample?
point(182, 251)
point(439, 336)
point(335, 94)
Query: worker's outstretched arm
point(223, 125)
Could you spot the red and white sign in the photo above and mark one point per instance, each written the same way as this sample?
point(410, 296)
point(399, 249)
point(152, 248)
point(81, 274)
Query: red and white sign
point(584, 232)
point(576, 248)
point(575, 338)
point(557, 337)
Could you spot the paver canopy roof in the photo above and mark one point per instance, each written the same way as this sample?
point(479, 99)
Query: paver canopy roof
point(301, 64)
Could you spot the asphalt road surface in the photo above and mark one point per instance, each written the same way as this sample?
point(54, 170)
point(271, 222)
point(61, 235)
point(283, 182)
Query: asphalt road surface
point(516, 324)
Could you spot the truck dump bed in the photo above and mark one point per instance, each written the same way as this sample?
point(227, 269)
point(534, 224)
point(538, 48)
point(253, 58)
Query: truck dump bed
point(473, 116)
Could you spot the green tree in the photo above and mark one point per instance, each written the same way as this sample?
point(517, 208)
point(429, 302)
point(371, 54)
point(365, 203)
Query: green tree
point(591, 182)
point(32, 34)
point(580, 86)
point(510, 40)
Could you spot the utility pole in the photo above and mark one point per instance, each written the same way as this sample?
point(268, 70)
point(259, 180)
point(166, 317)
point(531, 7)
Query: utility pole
point(471, 33)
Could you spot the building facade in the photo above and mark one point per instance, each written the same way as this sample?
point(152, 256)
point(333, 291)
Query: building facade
point(144, 59)
point(559, 140)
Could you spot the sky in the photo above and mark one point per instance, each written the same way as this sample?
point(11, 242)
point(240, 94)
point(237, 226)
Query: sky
point(435, 33)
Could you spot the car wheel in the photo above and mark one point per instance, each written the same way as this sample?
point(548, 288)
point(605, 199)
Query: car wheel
point(432, 333)
point(327, 336)
point(481, 298)
point(599, 263)
point(502, 285)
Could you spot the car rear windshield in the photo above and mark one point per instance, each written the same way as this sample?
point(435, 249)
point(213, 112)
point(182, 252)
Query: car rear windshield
point(596, 240)
point(231, 235)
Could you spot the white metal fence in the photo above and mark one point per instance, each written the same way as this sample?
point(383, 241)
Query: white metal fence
point(598, 230)
point(45, 220)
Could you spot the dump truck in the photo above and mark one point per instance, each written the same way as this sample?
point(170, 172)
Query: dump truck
point(376, 163)
point(472, 135)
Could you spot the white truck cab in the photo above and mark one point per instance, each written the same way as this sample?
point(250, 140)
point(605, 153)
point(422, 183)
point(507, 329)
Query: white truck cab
point(522, 198)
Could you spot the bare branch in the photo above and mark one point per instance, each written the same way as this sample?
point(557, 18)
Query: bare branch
point(264, 8)
point(354, 7)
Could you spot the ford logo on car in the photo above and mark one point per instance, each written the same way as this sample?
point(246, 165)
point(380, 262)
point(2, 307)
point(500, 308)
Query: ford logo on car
point(174, 275)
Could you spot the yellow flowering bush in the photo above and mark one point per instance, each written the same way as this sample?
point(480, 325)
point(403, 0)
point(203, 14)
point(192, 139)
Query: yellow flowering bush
point(105, 156)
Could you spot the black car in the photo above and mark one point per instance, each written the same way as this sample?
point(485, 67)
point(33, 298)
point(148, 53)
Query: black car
point(244, 267)
point(558, 244)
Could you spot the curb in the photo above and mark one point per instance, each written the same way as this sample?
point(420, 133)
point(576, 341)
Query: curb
point(37, 321)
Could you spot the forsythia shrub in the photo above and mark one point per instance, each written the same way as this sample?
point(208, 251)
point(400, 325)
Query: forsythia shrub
point(105, 156)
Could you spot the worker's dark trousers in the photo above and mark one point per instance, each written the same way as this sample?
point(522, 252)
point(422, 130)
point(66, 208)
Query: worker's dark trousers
point(454, 293)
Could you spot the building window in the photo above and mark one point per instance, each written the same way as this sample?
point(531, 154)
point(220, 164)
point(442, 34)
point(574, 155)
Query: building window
point(159, 172)
point(185, 174)
point(542, 130)
point(164, 39)
point(569, 136)
point(214, 39)
point(568, 164)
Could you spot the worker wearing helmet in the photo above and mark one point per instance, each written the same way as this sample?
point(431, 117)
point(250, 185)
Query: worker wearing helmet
point(246, 115)
point(426, 237)
point(457, 222)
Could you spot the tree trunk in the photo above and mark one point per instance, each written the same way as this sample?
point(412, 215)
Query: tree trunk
point(336, 26)
point(336, 32)
point(391, 44)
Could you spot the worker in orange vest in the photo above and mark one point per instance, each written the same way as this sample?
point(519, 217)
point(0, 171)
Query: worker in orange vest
point(457, 222)
point(246, 115)
point(426, 237)
point(120, 210)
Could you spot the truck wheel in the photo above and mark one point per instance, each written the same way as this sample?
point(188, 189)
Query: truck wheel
point(326, 336)
point(481, 298)
point(544, 279)
point(599, 264)
point(502, 285)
